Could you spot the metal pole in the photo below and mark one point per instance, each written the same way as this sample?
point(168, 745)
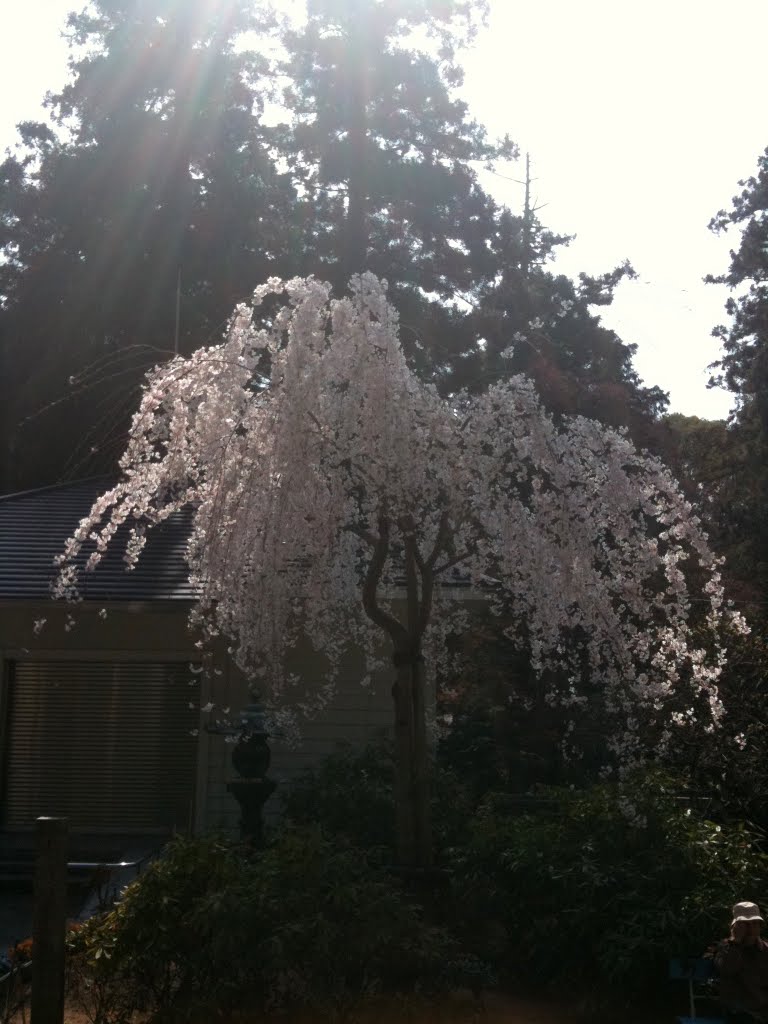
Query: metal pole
point(49, 922)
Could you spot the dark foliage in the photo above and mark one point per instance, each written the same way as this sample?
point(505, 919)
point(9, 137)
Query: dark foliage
point(152, 185)
point(351, 794)
point(743, 367)
point(598, 889)
point(160, 192)
point(306, 922)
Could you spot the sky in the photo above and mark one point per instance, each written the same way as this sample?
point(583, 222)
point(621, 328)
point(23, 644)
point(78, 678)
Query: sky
point(640, 120)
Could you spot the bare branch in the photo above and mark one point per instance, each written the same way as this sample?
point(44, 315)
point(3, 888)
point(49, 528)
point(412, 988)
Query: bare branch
point(427, 590)
point(366, 535)
point(412, 585)
point(420, 610)
point(454, 561)
point(408, 528)
point(375, 613)
point(440, 541)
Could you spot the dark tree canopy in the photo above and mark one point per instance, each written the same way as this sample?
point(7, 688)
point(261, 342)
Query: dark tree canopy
point(544, 325)
point(154, 178)
point(710, 458)
point(743, 367)
point(380, 142)
point(161, 191)
point(385, 151)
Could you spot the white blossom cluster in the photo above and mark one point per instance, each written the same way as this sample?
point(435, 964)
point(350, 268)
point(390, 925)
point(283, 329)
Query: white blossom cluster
point(310, 483)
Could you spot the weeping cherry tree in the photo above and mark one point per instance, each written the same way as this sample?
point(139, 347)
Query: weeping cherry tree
point(334, 493)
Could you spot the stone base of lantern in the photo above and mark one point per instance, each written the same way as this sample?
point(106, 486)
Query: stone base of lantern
point(251, 795)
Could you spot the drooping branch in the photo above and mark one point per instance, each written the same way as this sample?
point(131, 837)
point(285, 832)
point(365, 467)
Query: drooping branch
point(526, 500)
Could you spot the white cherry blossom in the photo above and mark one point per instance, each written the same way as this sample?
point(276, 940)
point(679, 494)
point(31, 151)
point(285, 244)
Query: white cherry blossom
point(334, 492)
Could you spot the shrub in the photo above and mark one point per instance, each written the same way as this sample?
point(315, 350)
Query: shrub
point(351, 794)
point(470, 746)
point(606, 884)
point(143, 953)
point(307, 921)
point(730, 771)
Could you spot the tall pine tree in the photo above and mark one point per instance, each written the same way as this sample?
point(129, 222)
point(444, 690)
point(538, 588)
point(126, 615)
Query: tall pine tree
point(743, 367)
point(382, 146)
point(160, 194)
point(531, 320)
point(385, 153)
point(132, 223)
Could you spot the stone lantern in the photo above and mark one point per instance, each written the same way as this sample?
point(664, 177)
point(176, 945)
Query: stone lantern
point(250, 759)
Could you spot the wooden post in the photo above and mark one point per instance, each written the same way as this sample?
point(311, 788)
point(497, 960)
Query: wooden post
point(49, 922)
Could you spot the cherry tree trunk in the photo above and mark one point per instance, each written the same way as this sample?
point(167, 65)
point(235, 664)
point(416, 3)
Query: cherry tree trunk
point(412, 804)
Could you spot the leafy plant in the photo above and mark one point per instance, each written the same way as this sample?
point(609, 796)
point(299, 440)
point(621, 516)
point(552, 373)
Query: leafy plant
point(605, 884)
point(308, 921)
point(350, 794)
point(144, 948)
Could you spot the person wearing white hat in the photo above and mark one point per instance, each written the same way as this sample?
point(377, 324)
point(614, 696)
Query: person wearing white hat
point(742, 964)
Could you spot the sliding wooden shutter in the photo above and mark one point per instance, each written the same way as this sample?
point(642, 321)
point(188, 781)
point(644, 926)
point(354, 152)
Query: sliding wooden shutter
point(106, 744)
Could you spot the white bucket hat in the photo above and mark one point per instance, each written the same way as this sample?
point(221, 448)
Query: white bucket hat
point(746, 912)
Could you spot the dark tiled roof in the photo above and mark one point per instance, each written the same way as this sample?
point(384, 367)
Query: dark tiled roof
point(34, 526)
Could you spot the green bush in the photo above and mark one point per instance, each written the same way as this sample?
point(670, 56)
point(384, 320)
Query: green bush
point(351, 794)
point(144, 952)
point(730, 771)
point(604, 884)
point(307, 921)
point(470, 748)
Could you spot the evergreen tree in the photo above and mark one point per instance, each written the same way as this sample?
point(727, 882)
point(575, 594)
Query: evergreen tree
point(131, 223)
point(743, 367)
point(159, 194)
point(382, 146)
point(533, 321)
point(386, 155)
